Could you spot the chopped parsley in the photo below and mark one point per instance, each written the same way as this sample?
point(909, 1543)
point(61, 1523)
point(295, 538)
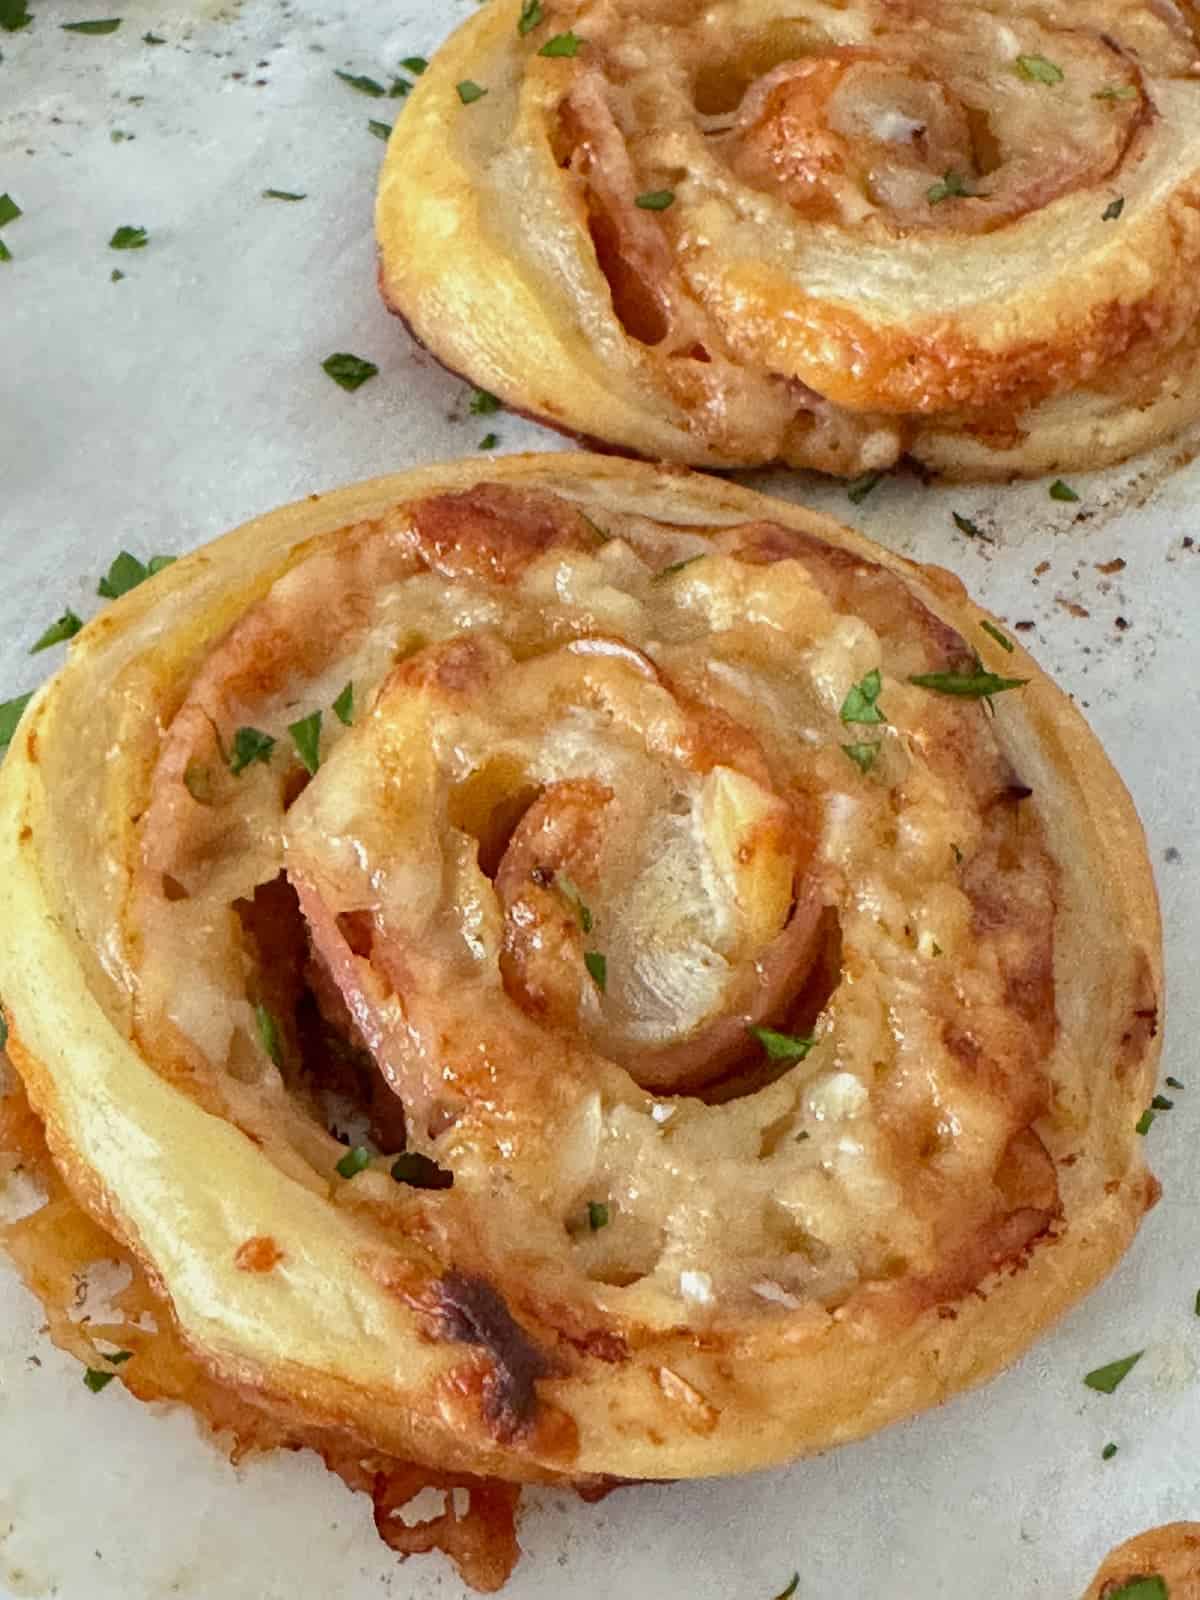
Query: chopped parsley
point(282, 194)
point(1148, 1588)
point(250, 745)
point(10, 715)
point(106, 25)
point(1144, 1123)
point(115, 275)
point(1124, 91)
point(67, 626)
point(489, 441)
point(127, 237)
point(400, 87)
point(859, 488)
point(306, 736)
point(268, 1033)
point(655, 199)
point(597, 966)
point(3, 1030)
point(153, 38)
point(971, 529)
point(993, 632)
point(483, 404)
point(119, 1358)
point(1113, 209)
point(676, 566)
point(14, 15)
point(343, 706)
point(1161, 1103)
point(95, 1380)
point(420, 1172)
point(562, 44)
point(782, 1046)
point(381, 130)
point(1174, 1083)
point(127, 572)
point(414, 64)
point(786, 1594)
point(597, 1215)
point(570, 893)
point(1105, 1379)
point(354, 1161)
point(860, 702)
point(1062, 491)
point(951, 186)
point(531, 15)
point(5, 252)
point(1038, 70)
point(348, 371)
point(1196, 1305)
point(9, 209)
point(364, 85)
point(863, 756)
point(469, 92)
point(1108, 1452)
point(977, 685)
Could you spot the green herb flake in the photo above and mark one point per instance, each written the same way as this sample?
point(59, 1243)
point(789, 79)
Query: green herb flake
point(863, 756)
point(786, 1594)
point(3, 1030)
point(1161, 1103)
point(127, 237)
point(1196, 1304)
point(198, 781)
point(9, 209)
point(1113, 209)
point(977, 685)
point(489, 441)
point(531, 15)
point(483, 404)
point(570, 892)
point(10, 715)
point(14, 15)
point(951, 186)
point(1105, 1379)
point(67, 626)
point(597, 966)
point(157, 563)
point(115, 275)
point(562, 44)
point(153, 38)
point(993, 632)
point(354, 1161)
point(306, 736)
point(1038, 70)
point(5, 252)
point(859, 488)
point(1148, 1588)
point(364, 85)
point(282, 194)
point(268, 1034)
point(119, 1358)
point(860, 702)
point(420, 1172)
point(414, 64)
point(655, 200)
point(1108, 1452)
point(597, 1215)
point(343, 706)
point(971, 529)
point(125, 573)
point(1144, 1123)
point(469, 92)
point(106, 25)
point(250, 745)
point(782, 1046)
point(381, 130)
point(1124, 91)
point(95, 1380)
point(1174, 1083)
point(400, 87)
point(1062, 491)
point(348, 371)
point(676, 566)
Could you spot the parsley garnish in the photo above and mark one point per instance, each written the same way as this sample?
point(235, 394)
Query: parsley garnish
point(1126, 91)
point(400, 87)
point(282, 194)
point(9, 209)
point(129, 238)
point(782, 1046)
point(306, 736)
point(483, 404)
point(676, 566)
point(381, 130)
point(597, 1215)
point(971, 529)
point(862, 755)
point(562, 44)
point(14, 15)
point(597, 966)
point(343, 706)
point(353, 1162)
point(67, 626)
point(859, 488)
point(1062, 491)
point(268, 1033)
point(656, 199)
point(860, 702)
point(977, 685)
point(786, 1594)
point(952, 186)
point(5, 252)
point(993, 632)
point(1144, 1123)
point(469, 92)
point(152, 38)
point(348, 371)
point(115, 275)
point(1196, 1307)
point(1108, 1452)
point(107, 25)
point(413, 1168)
point(531, 15)
point(1174, 1083)
point(362, 83)
point(10, 716)
point(1151, 1588)
point(414, 64)
point(1161, 1103)
point(571, 894)
point(119, 1358)
point(1105, 1379)
point(489, 441)
point(1113, 209)
point(127, 572)
point(250, 745)
point(1038, 70)
point(96, 1380)
point(3, 1030)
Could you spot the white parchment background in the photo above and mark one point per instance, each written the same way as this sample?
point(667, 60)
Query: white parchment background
point(154, 413)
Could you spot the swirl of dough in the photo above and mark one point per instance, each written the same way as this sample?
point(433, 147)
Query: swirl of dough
point(819, 234)
point(555, 975)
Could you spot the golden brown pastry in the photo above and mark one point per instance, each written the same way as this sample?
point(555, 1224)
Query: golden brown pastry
point(1163, 1564)
point(814, 233)
point(561, 969)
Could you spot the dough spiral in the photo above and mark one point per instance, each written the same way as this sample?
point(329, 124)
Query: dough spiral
point(820, 234)
point(736, 1040)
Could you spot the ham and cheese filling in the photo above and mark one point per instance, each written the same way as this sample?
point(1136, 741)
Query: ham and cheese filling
point(620, 880)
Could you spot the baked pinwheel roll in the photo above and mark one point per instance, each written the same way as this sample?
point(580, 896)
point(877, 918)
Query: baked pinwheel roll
point(561, 969)
point(812, 233)
point(1163, 1564)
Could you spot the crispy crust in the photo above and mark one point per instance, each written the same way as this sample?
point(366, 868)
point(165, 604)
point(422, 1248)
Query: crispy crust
point(342, 1333)
point(1171, 1553)
point(485, 252)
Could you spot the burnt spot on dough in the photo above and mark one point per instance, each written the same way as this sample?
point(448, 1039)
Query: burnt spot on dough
point(470, 1311)
point(1141, 1026)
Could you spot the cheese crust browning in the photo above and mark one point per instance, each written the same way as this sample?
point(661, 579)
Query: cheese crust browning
point(749, 1091)
point(823, 235)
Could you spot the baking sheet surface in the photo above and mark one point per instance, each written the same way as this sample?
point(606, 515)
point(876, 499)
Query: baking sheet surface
point(154, 412)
